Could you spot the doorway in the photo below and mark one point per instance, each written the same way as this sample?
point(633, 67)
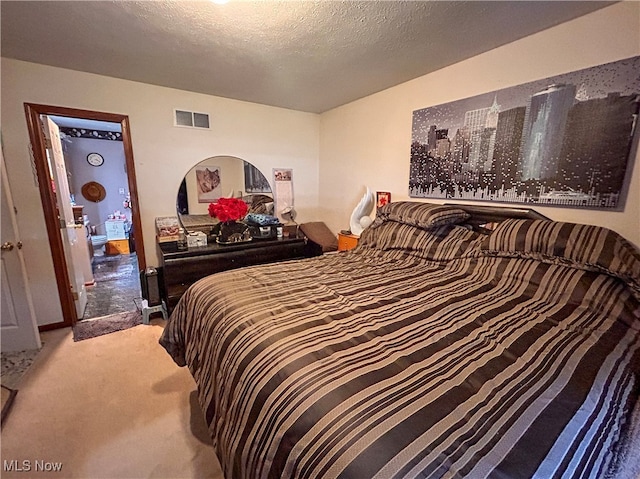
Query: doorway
point(68, 296)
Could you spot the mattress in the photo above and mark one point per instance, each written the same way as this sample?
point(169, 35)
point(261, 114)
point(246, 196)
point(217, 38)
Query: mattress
point(428, 351)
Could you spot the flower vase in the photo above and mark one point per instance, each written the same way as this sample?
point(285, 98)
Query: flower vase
point(232, 232)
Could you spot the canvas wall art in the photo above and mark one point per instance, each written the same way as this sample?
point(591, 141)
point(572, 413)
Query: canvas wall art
point(560, 141)
point(254, 180)
point(382, 198)
point(208, 184)
point(283, 191)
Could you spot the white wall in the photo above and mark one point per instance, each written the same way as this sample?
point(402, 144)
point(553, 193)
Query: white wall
point(367, 142)
point(265, 136)
point(112, 174)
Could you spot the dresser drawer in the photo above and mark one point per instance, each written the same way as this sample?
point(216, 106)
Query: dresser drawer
point(182, 269)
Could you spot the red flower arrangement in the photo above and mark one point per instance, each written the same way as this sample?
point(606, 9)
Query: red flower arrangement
point(228, 209)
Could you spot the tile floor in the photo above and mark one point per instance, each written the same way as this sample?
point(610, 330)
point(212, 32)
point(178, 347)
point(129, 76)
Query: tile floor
point(117, 287)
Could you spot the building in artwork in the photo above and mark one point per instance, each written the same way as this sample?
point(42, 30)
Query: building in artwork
point(481, 125)
point(543, 131)
point(443, 144)
point(506, 153)
point(589, 163)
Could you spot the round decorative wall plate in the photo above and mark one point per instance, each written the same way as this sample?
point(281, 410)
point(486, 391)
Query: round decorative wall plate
point(95, 159)
point(94, 191)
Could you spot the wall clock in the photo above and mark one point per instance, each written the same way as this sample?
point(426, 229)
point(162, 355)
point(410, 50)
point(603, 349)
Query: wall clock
point(95, 159)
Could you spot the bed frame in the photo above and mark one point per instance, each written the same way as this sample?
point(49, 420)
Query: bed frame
point(483, 216)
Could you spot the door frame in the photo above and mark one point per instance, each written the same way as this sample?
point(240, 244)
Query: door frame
point(33, 112)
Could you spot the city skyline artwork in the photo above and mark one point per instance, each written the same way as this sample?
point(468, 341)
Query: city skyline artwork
point(560, 141)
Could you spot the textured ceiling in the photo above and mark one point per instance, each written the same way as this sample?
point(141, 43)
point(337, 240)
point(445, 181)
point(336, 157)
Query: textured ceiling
point(304, 55)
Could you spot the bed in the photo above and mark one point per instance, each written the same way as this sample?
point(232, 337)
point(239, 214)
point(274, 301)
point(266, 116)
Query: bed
point(433, 349)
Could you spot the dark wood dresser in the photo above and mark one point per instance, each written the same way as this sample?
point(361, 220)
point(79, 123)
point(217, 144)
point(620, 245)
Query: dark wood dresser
point(183, 268)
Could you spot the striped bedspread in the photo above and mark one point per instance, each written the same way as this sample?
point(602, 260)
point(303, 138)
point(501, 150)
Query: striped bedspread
point(426, 352)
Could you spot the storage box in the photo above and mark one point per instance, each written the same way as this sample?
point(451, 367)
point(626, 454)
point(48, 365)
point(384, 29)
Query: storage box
point(117, 247)
point(196, 238)
point(265, 232)
point(167, 228)
point(116, 229)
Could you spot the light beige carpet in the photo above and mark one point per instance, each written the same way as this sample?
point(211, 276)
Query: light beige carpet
point(112, 407)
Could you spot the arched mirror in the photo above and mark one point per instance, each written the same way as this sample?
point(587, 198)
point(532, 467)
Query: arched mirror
point(221, 177)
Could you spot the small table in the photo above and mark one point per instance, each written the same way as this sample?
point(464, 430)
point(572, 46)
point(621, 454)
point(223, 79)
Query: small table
point(347, 241)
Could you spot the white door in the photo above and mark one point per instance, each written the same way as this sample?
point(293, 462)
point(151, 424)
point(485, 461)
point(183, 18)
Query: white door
point(18, 326)
point(68, 230)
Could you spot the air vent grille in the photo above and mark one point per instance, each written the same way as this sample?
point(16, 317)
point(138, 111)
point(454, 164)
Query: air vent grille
point(190, 119)
point(200, 120)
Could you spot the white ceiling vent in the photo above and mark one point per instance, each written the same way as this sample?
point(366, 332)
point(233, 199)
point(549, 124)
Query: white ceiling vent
point(191, 119)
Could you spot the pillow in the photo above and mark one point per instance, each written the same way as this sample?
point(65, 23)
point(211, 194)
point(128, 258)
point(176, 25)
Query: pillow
point(320, 234)
point(422, 215)
point(436, 244)
point(259, 204)
point(592, 248)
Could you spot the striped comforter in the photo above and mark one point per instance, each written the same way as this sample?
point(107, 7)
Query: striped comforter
point(425, 352)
